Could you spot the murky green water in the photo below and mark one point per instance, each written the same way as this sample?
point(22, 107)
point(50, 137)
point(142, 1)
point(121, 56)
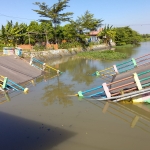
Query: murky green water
point(51, 117)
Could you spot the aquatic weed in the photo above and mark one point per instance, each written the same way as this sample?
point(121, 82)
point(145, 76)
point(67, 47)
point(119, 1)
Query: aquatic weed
point(103, 55)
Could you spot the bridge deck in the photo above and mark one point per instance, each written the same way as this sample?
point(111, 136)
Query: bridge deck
point(137, 70)
point(17, 70)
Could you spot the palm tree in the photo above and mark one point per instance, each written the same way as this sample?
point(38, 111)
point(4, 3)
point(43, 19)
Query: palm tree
point(53, 13)
point(107, 33)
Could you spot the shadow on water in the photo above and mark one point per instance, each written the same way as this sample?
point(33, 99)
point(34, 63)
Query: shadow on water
point(49, 118)
point(21, 134)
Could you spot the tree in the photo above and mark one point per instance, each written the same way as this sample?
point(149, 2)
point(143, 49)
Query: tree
point(11, 34)
point(125, 35)
point(87, 22)
point(84, 25)
point(39, 32)
point(69, 32)
point(53, 13)
point(108, 33)
point(48, 30)
point(33, 32)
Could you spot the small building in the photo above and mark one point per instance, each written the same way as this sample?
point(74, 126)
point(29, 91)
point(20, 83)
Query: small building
point(8, 50)
point(93, 35)
point(18, 51)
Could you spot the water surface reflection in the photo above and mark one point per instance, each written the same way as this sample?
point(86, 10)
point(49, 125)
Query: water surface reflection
point(51, 117)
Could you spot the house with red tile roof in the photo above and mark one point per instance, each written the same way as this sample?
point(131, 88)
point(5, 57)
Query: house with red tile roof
point(93, 35)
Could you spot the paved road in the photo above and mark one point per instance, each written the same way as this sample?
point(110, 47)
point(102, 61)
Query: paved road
point(17, 70)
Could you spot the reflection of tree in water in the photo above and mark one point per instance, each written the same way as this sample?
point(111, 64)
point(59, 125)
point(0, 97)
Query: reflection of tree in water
point(80, 70)
point(44, 77)
point(57, 93)
point(128, 50)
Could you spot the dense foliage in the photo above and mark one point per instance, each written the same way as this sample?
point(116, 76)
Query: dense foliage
point(53, 13)
point(108, 33)
point(75, 33)
point(68, 45)
point(126, 35)
point(145, 37)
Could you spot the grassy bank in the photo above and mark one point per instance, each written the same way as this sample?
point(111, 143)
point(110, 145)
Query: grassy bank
point(103, 55)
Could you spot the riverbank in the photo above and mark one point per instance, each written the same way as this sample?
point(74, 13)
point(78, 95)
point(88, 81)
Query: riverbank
point(51, 54)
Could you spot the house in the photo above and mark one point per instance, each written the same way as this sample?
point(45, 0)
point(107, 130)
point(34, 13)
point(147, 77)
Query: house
point(93, 35)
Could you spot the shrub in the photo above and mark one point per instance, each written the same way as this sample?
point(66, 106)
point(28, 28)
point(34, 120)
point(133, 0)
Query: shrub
point(68, 45)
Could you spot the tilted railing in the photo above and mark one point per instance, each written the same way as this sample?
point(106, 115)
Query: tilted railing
point(7, 84)
point(41, 65)
point(129, 84)
point(124, 67)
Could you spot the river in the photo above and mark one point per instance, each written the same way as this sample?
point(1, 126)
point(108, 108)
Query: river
point(51, 117)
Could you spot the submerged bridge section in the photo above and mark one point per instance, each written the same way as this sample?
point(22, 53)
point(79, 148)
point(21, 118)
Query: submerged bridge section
point(16, 70)
point(130, 80)
point(124, 67)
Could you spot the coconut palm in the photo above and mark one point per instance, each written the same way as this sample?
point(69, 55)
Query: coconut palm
point(53, 13)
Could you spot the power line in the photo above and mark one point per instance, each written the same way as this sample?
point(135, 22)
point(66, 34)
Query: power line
point(17, 17)
point(126, 24)
point(139, 24)
point(147, 24)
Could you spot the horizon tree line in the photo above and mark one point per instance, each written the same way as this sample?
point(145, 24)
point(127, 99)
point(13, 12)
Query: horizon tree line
point(50, 30)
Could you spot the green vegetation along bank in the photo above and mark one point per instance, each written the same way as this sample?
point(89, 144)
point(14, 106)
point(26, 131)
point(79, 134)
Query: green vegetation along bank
point(82, 32)
point(103, 55)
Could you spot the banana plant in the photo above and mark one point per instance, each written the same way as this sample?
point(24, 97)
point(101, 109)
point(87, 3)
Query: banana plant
point(10, 34)
point(107, 33)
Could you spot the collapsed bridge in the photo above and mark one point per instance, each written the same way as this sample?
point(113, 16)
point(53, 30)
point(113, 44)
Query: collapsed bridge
point(129, 80)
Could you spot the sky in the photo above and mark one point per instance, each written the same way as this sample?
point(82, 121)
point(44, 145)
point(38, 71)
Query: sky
point(118, 13)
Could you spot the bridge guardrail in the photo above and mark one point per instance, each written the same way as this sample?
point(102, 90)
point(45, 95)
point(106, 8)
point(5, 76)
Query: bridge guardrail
point(133, 85)
point(9, 84)
point(124, 67)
